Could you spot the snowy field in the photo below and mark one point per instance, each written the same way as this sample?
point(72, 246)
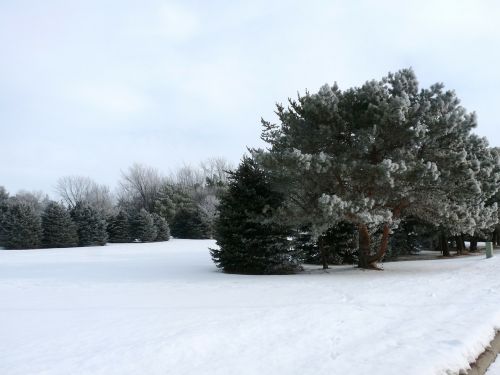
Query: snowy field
point(163, 308)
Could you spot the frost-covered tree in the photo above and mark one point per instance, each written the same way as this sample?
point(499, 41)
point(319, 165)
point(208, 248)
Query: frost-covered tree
point(74, 189)
point(119, 228)
point(21, 226)
point(249, 242)
point(38, 200)
point(144, 228)
point(140, 187)
point(162, 228)
point(461, 200)
point(371, 155)
point(59, 230)
point(91, 226)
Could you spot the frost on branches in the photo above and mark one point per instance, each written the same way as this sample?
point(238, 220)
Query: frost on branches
point(372, 155)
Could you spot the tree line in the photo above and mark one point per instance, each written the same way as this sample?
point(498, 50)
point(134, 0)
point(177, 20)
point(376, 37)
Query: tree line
point(348, 176)
point(359, 176)
point(147, 207)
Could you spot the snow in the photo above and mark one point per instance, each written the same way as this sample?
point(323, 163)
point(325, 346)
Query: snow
point(494, 369)
point(163, 308)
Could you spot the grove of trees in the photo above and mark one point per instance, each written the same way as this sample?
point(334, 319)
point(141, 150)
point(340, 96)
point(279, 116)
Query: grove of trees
point(368, 158)
point(147, 207)
point(348, 176)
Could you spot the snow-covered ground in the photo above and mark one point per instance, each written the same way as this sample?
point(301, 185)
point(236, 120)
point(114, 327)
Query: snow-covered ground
point(494, 368)
point(163, 308)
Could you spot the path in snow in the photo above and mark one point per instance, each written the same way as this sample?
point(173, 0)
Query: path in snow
point(163, 308)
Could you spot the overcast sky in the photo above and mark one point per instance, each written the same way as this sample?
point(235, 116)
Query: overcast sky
point(89, 87)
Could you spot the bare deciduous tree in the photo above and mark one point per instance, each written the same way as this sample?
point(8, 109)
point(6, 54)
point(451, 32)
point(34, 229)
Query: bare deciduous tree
point(141, 183)
point(37, 200)
point(74, 189)
point(216, 169)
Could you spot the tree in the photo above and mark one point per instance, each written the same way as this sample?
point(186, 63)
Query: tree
point(36, 199)
point(190, 223)
point(91, 226)
point(143, 227)
point(22, 226)
point(338, 245)
point(74, 189)
point(372, 155)
point(216, 171)
point(58, 228)
point(162, 228)
point(170, 200)
point(119, 228)
point(4, 197)
point(249, 242)
point(141, 185)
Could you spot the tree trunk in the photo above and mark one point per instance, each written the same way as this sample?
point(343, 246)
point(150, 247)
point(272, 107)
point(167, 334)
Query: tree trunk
point(364, 246)
point(473, 244)
point(323, 252)
point(460, 244)
point(443, 244)
point(365, 259)
point(495, 237)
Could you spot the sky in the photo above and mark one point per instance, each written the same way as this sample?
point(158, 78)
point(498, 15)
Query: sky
point(89, 87)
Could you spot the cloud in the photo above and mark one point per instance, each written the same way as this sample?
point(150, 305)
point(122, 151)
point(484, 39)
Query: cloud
point(113, 99)
point(171, 21)
point(159, 81)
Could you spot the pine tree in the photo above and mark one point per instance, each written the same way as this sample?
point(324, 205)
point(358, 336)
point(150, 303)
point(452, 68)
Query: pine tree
point(163, 230)
point(190, 223)
point(339, 245)
point(4, 196)
point(91, 226)
point(58, 228)
point(119, 228)
point(170, 200)
point(144, 228)
point(372, 155)
point(22, 227)
point(248, 239)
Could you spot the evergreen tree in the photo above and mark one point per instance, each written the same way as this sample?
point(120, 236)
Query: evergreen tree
point(91, 226)
point(119, 228)
point(58, 228)
point(248, 239)
point(4, 196)
point(339, 245)
point(190, 223)
point(163, 230)
point(170, 200)
point(374, 154)
point(22, 227)
point(144, 228)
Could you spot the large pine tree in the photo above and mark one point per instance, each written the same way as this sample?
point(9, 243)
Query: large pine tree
point(144, 228)
point(372, 155)
point(91, 226)
point(22, 227)
point(59, 230)
point(248, 239)
point(162, 228)
point(119, 228)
